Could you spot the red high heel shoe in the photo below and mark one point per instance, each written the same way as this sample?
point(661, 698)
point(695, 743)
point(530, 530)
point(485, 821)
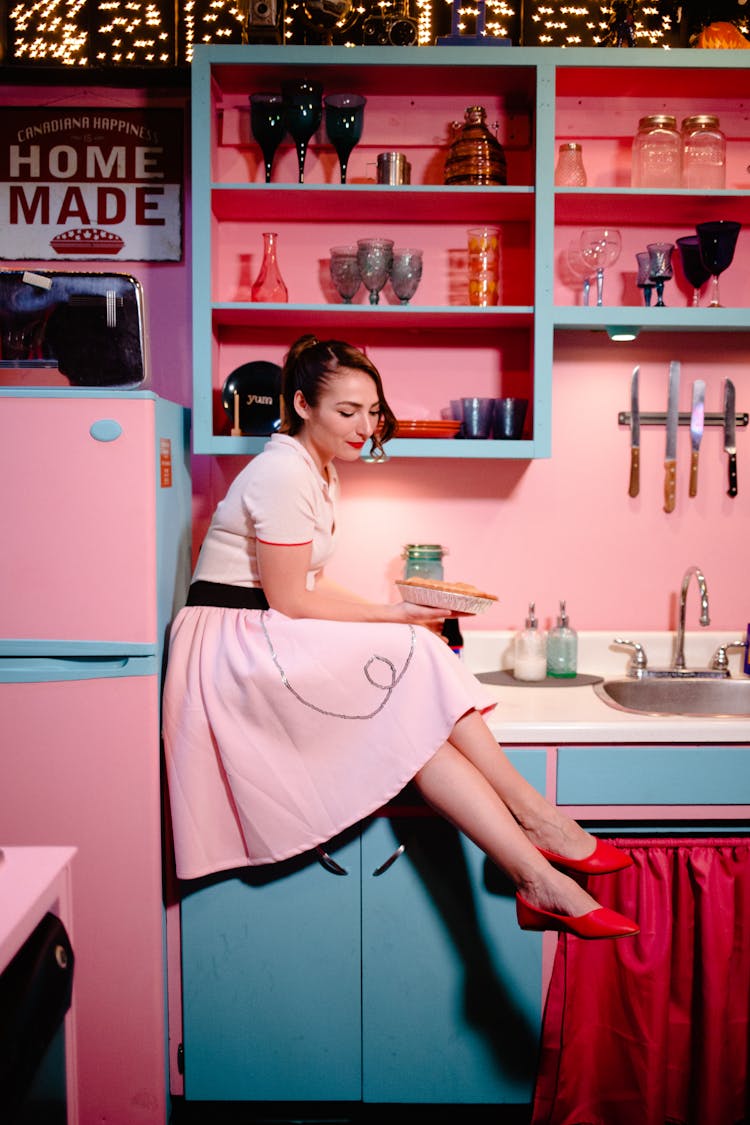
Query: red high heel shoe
point(599, 923)
point(604, 859)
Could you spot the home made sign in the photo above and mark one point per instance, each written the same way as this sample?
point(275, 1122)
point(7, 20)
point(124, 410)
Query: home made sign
point(91, 184)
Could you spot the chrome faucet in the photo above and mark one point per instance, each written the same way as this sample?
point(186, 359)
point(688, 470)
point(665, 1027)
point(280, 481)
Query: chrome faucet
point(679, 659)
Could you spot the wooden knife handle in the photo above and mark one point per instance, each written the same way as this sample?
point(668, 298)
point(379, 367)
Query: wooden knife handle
point(670, 485)
point(732, 490)
point(693, 473)
point(635, 471)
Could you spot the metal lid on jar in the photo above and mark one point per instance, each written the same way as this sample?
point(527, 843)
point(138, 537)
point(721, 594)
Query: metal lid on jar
point(700, 121)
point(423, 551)
point(571, 146)
point(658, 121)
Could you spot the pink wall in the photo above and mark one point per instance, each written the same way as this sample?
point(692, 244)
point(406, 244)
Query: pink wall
point(563, 527)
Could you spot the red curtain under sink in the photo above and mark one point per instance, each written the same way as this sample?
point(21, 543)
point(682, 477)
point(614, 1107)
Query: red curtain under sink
point(653, 1029)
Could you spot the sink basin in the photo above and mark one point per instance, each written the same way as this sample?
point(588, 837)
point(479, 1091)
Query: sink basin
point(679, 696)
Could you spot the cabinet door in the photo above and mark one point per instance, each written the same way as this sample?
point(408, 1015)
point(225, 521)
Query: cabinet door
point(451, 988)
point(80, 549)
point(271, 984)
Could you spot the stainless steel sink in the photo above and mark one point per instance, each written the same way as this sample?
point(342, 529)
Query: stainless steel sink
point(681, 695)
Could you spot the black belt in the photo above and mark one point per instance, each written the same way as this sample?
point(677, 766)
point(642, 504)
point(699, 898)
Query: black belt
point(230, 597)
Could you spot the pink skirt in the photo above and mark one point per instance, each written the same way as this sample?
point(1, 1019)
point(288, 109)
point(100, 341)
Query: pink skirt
point(280, 733)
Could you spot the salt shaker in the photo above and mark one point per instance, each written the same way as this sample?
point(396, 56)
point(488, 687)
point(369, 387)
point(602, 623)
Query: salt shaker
point(570, 171)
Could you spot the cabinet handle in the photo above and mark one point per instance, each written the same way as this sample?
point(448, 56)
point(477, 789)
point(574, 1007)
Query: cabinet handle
point(390, 861)
point(330, 864)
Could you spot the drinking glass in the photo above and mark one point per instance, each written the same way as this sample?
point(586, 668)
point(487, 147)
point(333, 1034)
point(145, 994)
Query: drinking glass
point(717, 241)
point(695, 272)
point(345, 273)
point(579, 268)
point(267, 124)
point(660, 267)
point(600, 247)
point(303, 112)
point(406, 273)
point(374, 257)
point(345, 114)
point(643, 280)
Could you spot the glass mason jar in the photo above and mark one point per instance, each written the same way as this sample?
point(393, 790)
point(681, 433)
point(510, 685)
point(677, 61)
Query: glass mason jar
point(704, 153)
point(475, 156)
point(657, 150)
point(570, 171)
point(424, 560)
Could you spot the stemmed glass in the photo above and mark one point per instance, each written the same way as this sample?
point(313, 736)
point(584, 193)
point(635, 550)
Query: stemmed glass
point(345, 114)
point(717, 241)
point(345, 273)
point(600, 247)
point(406, 273)
point(579, 268)
point(303, 112)
point(643, 280)
point(267, 124)
point(374, 257)
point(695, 272)
point(660, 267)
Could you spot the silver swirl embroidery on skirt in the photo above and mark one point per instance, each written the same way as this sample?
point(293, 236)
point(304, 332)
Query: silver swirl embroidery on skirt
point(387, 688)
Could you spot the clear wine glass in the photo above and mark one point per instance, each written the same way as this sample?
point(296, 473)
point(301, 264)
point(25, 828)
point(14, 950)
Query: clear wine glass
point(267, 124)
point(303, 112)
point(374, 256)
point(600, 247)
point(717, 241)
point(406, 273)
point(579, 268)
point(660, 267)
point(643, 280)
point(345, 273)
point(345, 115)
point(695, 272)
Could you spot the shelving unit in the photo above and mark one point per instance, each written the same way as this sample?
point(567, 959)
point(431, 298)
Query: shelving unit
point(439, 347)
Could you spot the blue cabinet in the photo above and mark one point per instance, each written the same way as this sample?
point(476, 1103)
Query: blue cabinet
point(401, 982)
point(653, 775)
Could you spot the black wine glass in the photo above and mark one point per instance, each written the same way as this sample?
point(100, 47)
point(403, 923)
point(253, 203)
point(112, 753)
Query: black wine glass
point(303, 112)
point(345, 114)
point(695, 272)
point(267, 124)
point(717, 241)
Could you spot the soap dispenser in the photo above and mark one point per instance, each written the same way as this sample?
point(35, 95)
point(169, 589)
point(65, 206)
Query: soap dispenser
point(530, 662)
point(562, 648)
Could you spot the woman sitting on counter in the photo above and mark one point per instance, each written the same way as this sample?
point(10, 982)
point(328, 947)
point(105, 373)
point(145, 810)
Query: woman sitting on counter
point(294, 708)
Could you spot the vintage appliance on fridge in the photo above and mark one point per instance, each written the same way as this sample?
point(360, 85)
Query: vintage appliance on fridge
point(95, 561)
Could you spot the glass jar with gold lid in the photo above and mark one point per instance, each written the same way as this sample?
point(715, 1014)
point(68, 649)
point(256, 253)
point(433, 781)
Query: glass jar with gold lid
point(657, 153)
point(703, 153)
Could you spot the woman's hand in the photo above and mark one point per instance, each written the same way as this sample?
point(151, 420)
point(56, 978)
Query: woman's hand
point(413, 614)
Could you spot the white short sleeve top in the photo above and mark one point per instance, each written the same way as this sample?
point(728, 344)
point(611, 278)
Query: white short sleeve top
point(279, 497)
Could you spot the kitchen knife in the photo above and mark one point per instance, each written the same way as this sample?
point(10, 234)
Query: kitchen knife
point(730, 440)
point(635, 436)
point(670, 457)
point(696, 431)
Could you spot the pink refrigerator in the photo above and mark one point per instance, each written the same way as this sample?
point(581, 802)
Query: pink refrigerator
point(94, 564)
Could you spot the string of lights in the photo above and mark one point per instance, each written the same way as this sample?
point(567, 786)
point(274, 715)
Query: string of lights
point(103, 33)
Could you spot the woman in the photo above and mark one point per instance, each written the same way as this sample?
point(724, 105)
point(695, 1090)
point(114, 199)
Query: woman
point(294, 708)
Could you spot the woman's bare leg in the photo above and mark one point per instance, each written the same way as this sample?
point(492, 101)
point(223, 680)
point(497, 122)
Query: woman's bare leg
point(545, 825)
point(458, 790)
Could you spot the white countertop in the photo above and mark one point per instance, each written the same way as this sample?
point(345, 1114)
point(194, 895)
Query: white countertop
point(575, 714)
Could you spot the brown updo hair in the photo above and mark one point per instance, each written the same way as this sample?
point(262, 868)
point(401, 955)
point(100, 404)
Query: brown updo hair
point(309, 366)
